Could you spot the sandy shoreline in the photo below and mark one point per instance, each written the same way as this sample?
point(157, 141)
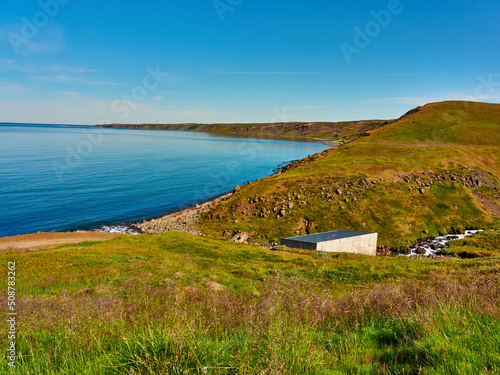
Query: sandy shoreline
point(41, 240)
point(183, 221)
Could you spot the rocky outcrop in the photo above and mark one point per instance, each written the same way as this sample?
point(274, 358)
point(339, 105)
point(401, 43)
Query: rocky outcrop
point(343, 194)
point(392, 251)
point(242, 237)
point(471, 179)
point(305, 226)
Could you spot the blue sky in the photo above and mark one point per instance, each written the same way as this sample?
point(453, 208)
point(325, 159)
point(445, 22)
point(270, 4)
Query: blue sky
point(88, 62)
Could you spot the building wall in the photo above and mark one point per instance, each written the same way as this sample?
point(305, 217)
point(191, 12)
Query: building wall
point(364, 244)
point(297, 244)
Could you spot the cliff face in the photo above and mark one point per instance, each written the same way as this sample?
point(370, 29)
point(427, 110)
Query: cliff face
point(342, 131)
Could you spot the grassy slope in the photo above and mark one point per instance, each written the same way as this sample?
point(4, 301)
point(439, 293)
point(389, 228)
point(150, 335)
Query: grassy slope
point(336, 131)
point(179, 304)
point(433, 143)
point(486, 243)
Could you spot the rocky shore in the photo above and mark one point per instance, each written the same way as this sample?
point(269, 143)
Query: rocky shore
point(183, 221)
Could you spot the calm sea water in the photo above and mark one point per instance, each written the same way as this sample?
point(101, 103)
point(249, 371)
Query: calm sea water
point(60, 178)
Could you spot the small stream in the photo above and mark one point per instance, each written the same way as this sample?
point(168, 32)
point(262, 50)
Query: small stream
point(433, 244)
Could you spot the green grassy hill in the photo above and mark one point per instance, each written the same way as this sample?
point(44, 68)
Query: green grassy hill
point(434, 169)
point(182, 304)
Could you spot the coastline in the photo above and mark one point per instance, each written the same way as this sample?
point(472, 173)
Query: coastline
point(329, 143)
point(307, 131)
point(183, 220)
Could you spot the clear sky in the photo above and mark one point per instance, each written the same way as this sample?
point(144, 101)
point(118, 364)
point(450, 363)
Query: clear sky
point(87, 62)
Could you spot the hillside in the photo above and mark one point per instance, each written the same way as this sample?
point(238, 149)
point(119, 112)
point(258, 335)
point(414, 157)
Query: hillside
point(339, 131)
point(434, 169)
point(181, 304)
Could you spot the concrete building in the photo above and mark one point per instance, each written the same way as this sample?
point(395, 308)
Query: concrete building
point(339, 241)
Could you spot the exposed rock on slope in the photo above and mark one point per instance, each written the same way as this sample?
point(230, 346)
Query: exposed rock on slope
point(434, 169)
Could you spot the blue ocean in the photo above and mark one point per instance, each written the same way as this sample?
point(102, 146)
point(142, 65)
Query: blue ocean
point(64, 177)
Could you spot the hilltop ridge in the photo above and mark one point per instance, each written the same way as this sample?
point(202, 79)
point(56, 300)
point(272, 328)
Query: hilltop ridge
point(434, 169)
point(341, 131)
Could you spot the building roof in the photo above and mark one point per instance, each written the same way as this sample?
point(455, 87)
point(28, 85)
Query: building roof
point(327, 236)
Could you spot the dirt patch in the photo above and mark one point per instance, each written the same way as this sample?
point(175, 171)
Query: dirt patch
point(492, 206)
point(43, 240)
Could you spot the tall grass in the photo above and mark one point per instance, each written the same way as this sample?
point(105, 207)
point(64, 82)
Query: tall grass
point(442, 324)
